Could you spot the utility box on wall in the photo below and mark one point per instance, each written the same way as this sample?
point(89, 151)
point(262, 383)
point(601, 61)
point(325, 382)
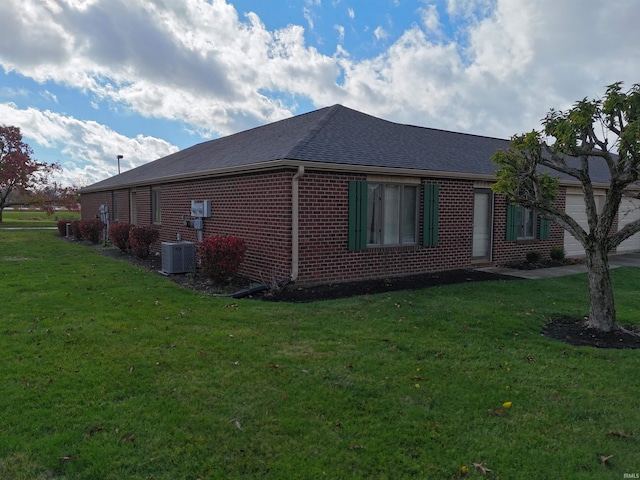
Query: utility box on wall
point(201, 209)
point(178, 257)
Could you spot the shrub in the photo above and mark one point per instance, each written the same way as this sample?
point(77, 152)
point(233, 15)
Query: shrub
point(533, 257)
point(119, 235)
point(75, 229)
point(141, 238)
point(221, 256)
point(557, 253)
point(91, 229)
point(62, 226)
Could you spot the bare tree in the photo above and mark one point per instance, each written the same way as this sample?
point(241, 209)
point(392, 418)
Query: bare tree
point(605, 130)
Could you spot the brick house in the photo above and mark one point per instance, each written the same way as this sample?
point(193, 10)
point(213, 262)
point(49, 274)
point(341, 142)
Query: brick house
point(335, 195)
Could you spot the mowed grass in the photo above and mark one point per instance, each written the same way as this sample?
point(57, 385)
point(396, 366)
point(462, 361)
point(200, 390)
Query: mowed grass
point(112, 372)
point(34, 218)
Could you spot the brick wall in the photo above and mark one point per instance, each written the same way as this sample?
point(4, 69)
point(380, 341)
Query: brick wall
point(505, 252)
point(257, 208)
point(323, 234)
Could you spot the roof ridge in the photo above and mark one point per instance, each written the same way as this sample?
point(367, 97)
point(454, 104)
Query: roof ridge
point(331, 111)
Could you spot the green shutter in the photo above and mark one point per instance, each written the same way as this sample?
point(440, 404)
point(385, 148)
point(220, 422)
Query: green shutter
point(513, 218)
point(545, 229)
point(357, 215)
point(430, 215)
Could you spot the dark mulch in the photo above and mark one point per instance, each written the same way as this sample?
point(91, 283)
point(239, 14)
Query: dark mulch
point(569, 330)
point(544, 263)
point(351, 289)
point(293, 293)
point(575, 332)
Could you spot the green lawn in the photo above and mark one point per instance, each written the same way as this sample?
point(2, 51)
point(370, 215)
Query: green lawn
point(111, 372)
point(34, 218)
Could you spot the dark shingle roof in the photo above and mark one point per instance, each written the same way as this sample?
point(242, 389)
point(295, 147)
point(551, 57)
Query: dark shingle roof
point(331, 135)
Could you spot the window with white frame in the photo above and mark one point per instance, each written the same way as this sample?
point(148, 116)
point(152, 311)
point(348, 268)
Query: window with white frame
point(114, 202)
point(526, 224)
point(392, 214)
point(156, 206)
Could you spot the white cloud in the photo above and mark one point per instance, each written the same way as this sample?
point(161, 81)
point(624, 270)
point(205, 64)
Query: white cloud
point(351, 13)
point(49, 96)
point(431, 19)
point(309, 17)
point(89, 148)
point(200, 63)
point(380, 33)
point(470, 8)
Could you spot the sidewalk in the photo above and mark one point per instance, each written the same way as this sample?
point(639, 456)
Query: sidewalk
point(615, 261)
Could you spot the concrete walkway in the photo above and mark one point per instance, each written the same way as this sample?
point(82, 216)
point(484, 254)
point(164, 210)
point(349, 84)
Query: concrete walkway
point(615, 261)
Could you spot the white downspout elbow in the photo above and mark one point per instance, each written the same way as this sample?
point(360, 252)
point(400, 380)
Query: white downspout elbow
point(295, 229)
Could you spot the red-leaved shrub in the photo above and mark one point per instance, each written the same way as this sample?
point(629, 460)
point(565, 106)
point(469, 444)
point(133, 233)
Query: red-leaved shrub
point(221, 256)
point(75, 229)
point(91, 229)
point(119, 235)
point(141, 238)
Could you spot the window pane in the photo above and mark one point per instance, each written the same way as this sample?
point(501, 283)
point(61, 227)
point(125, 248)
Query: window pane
point(156, 207)
point(409, 215)
point(373, 213)
point(531, 224)
point(391, 228)
point(115, 205)
point(527, 225)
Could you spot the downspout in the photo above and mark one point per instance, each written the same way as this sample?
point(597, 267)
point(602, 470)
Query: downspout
point(295, 223)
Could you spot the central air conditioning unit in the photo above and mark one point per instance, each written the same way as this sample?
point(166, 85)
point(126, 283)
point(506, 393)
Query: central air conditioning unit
point(178, 257)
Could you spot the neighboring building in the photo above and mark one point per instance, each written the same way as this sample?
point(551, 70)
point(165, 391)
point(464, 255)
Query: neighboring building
point(336, 195)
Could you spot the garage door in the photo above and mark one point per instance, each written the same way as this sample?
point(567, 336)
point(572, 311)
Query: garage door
point(629, 212)
point(575, 207)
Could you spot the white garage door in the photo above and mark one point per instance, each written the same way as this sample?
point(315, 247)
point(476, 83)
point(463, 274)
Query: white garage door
point(575, 207)
point(629, 212)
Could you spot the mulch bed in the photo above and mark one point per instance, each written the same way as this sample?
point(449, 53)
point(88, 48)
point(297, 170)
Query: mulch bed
point(544, 263)
point(293, 293)
point(575, 332)
point(569, 330)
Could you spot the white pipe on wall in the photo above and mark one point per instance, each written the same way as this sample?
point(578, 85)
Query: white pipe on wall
point(294, 222)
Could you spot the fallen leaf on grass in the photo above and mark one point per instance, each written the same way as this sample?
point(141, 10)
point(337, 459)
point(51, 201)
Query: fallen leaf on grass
point(604, 459)
point(482, 467)
point(68, 459)
point(95, 430)
point(129, 438)
point(618, 435)
point(356, 447)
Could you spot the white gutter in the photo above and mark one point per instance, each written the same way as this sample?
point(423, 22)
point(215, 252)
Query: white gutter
point(295, 222)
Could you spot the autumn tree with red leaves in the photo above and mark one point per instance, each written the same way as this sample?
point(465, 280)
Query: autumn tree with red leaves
point(19, 172)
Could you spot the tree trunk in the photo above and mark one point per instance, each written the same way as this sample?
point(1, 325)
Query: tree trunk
point(602, 311)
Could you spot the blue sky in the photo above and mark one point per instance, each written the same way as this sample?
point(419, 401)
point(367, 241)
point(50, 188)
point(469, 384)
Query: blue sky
point(87, 80)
